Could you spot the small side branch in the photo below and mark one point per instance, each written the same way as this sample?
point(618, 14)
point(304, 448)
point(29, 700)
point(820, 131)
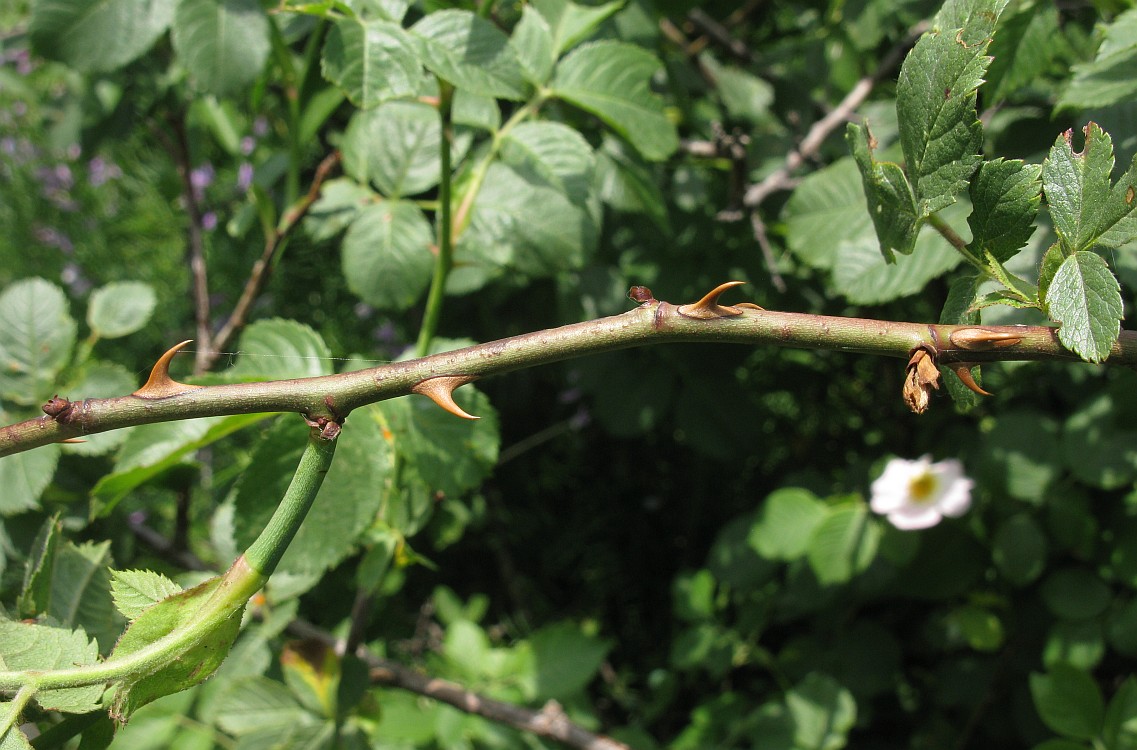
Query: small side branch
point(274, 243)
point(196, 241)
point(549, 722)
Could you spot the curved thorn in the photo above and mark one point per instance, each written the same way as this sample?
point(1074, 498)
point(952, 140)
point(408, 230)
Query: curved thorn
point(160, 384)
point(980, 339)
point(73, 440)
point(708, 307)
point(440, 390)
point(748, 306)
point(962, 371)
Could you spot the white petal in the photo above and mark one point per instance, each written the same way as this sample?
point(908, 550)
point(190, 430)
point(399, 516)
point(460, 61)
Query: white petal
point(915, 517)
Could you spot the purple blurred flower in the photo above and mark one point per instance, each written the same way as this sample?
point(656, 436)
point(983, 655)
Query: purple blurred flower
point(248, 143)
point(260, 127)
point(209, 221)
point(200, 179)
point(52, 237)
point(74, 151)
point(244, 176)
point(73, 277)
point(100, 171)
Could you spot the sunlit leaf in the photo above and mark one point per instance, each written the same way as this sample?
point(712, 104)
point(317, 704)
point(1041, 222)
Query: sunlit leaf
point(120, 308)
point(371, 60)
point(387, 258)
point(1085, 298)
point(98, 36)
point(612, 80)
point(222, 43)
point(36, 336)
point(469, 52)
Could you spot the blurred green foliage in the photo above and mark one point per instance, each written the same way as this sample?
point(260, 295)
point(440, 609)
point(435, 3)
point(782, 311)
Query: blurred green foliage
point(674, 543)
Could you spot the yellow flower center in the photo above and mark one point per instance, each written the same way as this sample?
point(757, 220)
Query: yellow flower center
point(921, 488)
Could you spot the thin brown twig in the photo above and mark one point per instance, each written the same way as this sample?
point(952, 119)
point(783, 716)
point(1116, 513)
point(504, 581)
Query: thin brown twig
point(196, 249)
point(780, 179)
point(263, 265)
point(550, 721)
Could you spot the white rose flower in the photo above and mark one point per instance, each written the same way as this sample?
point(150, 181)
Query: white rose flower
point(917, 494)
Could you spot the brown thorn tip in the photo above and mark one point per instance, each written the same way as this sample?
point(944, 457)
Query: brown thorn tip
point(160, 384)
point(73, 440)
point(440, 390)
point(962, 371)
point(708, 307)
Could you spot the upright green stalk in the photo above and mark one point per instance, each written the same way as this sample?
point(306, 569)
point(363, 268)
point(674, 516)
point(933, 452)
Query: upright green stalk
point(445, 260)
point(264, 553)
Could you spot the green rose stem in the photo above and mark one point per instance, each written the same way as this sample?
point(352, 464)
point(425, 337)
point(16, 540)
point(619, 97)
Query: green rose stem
point(222, 598)
point(445, 260)
point(653, 322)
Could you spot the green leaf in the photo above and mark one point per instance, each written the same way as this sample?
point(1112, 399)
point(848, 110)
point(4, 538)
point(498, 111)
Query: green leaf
point(572, 23)
point(35, 594)
point(612, 80)
point(625, 183)
point(100, 36)
point(12, 738)
point(1120, 726)
point(152, 449)
point(25, 646)
point(196, 659)
point(1085, 299)
point(864, 276)
point(348, 500)
point(1108, 79)
point(447, 454)
point(80, 590)
point(339, 204)
point(827, 206)
point(843, 544)
point(532, 41)
point(223, 44)
point(785, 523)
point(891, 202)
point(395, 146)
point(469, 52)
point(278, 349)
point(387, 258)
point(1005, 196)
point(120, 308)
point(693, 595)
point(505, 234)
point(823, 711)
point(978, 626)
point(566, 659)
point(940, 132)
point(36, 336)
point(745, 96)
point(1075, 594)
point(1095, 449)
point(24, 477)
point(557, 153)
point(1068, 701)
point(371, 60)
point(1079, 643)
point(1082, 203)
point(135, 591)
point(1022, 50)
point(258, 706)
